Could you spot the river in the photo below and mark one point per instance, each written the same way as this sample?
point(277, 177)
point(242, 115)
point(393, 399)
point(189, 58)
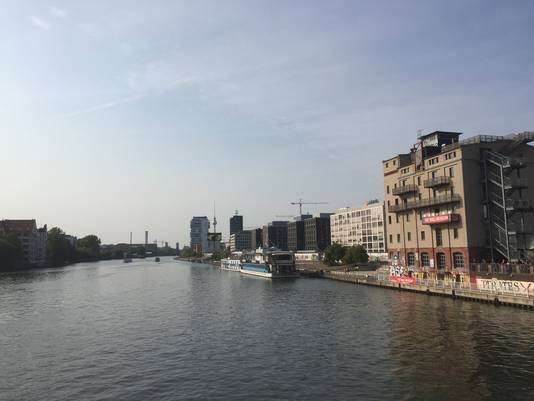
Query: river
point(179, 331)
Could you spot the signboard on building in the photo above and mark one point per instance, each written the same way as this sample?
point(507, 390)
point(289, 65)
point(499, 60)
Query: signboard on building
point(432, 140)
point(511, 287)
point(441, 218)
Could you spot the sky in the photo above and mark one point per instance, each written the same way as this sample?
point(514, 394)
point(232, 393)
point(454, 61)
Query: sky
point(119, 116)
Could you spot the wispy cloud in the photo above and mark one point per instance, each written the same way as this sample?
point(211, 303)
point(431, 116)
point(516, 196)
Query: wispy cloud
point(39, 23)
point(106, 105)
point(57, 12)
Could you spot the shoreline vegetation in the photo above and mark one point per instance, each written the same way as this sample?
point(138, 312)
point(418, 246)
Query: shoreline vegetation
point(61, 251)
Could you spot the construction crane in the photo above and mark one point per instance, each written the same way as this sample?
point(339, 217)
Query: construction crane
point(300, 202)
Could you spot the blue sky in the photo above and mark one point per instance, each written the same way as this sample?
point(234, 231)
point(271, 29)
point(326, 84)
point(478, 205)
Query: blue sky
point(121, 116)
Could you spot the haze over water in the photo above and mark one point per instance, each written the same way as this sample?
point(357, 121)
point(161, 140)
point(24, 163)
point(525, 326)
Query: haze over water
point(176, 331)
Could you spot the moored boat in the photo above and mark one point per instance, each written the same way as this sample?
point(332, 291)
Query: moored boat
point(269, 263)
point(231, 264)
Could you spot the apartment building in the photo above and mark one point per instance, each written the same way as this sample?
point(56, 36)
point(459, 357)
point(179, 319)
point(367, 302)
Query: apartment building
point(32, 239)
point(363, 225)
point(452, 202)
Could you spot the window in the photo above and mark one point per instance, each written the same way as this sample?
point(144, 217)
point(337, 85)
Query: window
point(458, 258)
point(397, 218)
point(419, 180)
point(408, 217)
point(387, 165)
point(441, 260)
point(398, 237)
point(439, 237)
point(455, 233)
point(425, 261)
point(390, 238)
point(433, 174)
point(451, 171)
point(422, 235)
point(387, 189)
point(389, 219)
point(411, 259)
point(409, 236)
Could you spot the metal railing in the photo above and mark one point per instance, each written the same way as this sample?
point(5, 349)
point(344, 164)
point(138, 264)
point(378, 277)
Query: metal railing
point(501, 268)
point(404, 189)
point(437, 181)
point(421, 203)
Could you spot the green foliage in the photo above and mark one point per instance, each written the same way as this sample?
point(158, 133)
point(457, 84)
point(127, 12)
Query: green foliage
point(90, 244)
point(59, 251)
point(337, 254)
point(11, 255)
point(355, 254)
point(221, 254)
point(189, 253)
point(334, 254)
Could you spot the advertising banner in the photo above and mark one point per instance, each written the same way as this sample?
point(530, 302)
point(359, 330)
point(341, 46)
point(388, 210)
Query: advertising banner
point(524, 288)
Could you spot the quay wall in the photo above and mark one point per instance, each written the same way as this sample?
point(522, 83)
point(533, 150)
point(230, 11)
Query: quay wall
point(433, 288)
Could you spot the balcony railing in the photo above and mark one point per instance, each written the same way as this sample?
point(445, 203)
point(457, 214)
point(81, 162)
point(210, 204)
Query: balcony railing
point(422, 203)
point(404, 189)
point(437, 181)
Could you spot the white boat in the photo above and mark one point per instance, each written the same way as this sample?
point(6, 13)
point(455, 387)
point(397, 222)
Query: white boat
point(269, 263)
point(230, 264)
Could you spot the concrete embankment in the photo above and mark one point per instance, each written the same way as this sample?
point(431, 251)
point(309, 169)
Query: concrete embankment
point(371, 278)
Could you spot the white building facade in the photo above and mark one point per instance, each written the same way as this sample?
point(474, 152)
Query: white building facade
point(362, 225)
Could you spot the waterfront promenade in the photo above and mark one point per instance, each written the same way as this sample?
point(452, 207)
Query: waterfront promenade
point(451, 289)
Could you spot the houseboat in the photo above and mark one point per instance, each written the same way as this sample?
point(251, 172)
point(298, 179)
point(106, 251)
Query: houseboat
point(269, 263)
point(231, 264)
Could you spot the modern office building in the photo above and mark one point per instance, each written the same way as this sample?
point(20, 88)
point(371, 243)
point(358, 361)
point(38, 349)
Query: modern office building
point(32, 239)
point(362, 225)
point(200, 226)
point(317, 232)
point(295, 235)
point(275, 235)
point(257, 238)
point(451, 202)
point(236, 223)
point(242, 240)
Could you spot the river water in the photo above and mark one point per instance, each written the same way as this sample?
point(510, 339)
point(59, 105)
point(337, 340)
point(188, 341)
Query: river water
point(179, 331)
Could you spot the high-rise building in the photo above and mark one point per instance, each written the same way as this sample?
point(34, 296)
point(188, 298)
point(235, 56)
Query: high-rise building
point(257, 238)
point(317, 232)
point(275, 235)
point(200, 226)
point(236, 224)
point(452, 202)
point(363, 225)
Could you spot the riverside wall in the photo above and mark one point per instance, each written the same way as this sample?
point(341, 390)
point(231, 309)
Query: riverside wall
point(451, 290)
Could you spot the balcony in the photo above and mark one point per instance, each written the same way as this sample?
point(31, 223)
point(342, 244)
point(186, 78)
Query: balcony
point(519, 205)
point(422, 203)
point(437, 181)
point(404, 189)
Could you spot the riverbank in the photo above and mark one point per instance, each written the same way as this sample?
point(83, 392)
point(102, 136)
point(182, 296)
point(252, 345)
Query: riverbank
point(451, 290)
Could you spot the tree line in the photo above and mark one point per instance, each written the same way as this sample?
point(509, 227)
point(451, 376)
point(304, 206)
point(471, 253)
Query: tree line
point(60, 251)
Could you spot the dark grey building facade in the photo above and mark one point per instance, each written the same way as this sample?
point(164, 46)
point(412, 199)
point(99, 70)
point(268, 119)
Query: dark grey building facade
point(317, 233)
point(295, 236)
point(275, 235)
point(236, 224)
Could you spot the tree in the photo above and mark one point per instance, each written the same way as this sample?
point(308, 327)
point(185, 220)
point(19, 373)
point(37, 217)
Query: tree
point(355, 254)
point(59, 251)
point(334, 254)
point(91, 244)
point(11, 255)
